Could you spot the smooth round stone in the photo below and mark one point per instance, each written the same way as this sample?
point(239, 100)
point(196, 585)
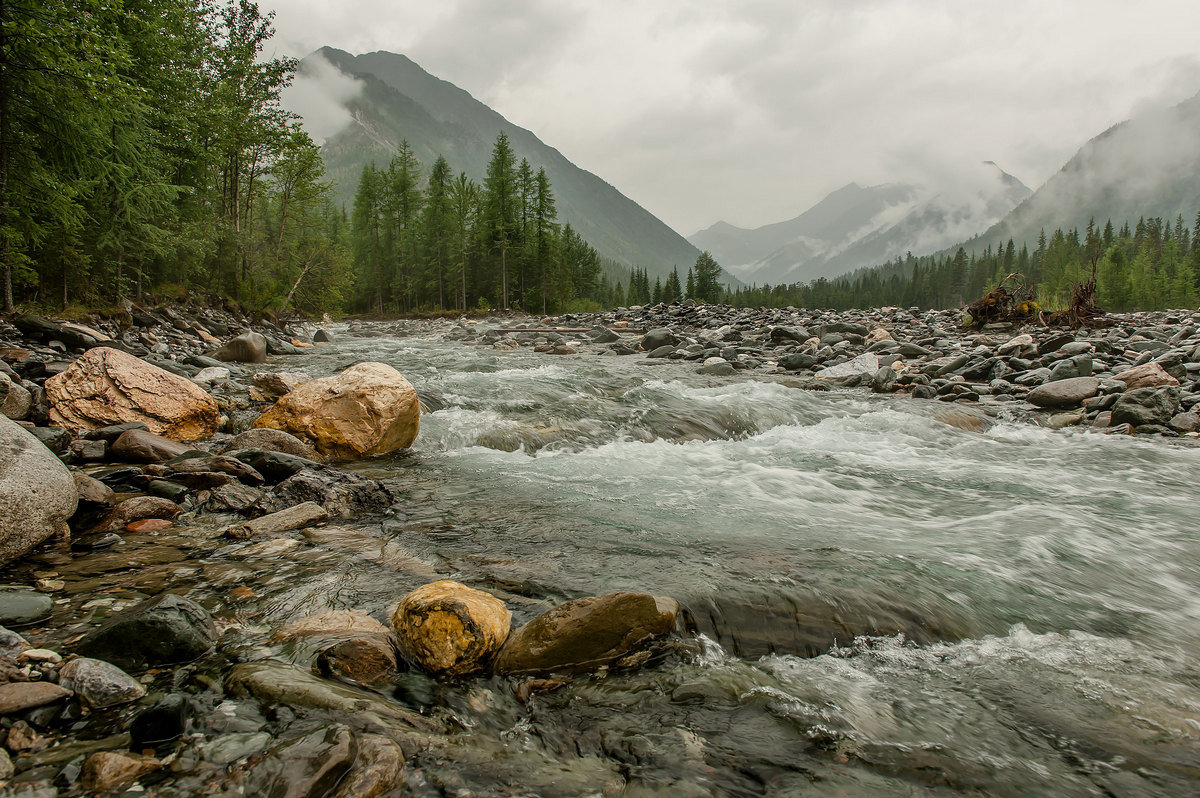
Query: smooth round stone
point(21, 606)
point(99, 684)
point(1064, 394)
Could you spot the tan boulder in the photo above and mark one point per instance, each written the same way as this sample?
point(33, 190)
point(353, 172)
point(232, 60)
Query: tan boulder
point(588, 633)
point(106, 386)
point(1147, 375)
point(366, 410)
point(450, 629)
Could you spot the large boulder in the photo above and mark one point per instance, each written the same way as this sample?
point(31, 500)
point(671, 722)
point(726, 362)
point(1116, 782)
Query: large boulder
point(249, 347)
point(106, 386)
point(37, 492)
point(447, 628)
point(587, 633)
point(366, 410)
point(15, 399)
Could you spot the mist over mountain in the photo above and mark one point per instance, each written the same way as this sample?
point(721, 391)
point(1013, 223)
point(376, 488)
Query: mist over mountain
point(1146, 166)
point(857, 226)
point(393, 99)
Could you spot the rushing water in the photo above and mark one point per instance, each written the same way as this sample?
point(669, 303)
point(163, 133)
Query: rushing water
point(1044, 583)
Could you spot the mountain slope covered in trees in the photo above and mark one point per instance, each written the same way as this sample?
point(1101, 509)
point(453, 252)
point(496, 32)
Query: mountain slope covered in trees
point(399, 102)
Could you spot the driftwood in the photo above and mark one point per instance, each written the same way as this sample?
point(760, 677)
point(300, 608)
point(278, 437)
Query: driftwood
point(1082, 310)
point(1004, 305)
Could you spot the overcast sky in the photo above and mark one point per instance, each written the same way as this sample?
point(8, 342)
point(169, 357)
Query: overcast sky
point(752, 110)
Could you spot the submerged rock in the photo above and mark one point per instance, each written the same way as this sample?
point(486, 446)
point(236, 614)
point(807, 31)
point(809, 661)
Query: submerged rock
point(37, 492)
point(587, 633)
point(99, 684)
point(107, 771)
point(20, 606)
point(446, 628)
point(106, 386)
point(161, 631)
point(304, 767)
point(366, 410)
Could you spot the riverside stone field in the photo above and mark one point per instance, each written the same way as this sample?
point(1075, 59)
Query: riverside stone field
point(670, 550)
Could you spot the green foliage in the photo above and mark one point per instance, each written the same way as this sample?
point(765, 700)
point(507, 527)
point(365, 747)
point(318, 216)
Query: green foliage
point(142, 142)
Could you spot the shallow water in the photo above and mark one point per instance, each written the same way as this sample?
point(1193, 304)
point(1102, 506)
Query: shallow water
point(875, 601)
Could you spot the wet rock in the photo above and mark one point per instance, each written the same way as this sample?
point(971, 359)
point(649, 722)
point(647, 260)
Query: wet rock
point(1147, 375)
point(1142, 406)
point(99, 684)
point(20, 606)
point(165, 721)
point(274, 466)
point(656, 339)
point(378, 768)
point(22, 737)
point(56, 439)
point(719, 368)
point(304, 767)
point(807, 621)
point(587, 633)
point(233, 497)
point(1185, 422)
point(96, 500)
point(15, 399)
point(229, 748)
point(214, 464)
point(366, 410)
point(365, 660)
point(136, 509)
point(148, 526)
point(143, 446)
point(276, 683)
point(106, 386)
point(11, 643)
point(168, 489)
point(164, 630)
point(96, 542)
point(342, 494)
point(333, 624)
point(963, 418)
point(1064, 394)
point(37, 492)
point(249, 347)
point(322, 337)
point(278, 383)
point(19, 696)
point(271, 440)
point(447, 628)
point(107, 771)
point(797, 360)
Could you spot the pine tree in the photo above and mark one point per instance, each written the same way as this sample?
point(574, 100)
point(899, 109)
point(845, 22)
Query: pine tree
point(501, 201)
point(708, 275)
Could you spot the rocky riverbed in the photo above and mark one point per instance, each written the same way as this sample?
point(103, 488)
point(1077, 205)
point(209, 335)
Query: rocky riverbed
point(170, 473)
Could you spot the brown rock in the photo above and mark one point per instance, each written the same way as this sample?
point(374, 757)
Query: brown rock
point(249, 347)
point(136, 509)
point(106, 771)
point(1147, 375)
point(106, 386)
point(22, 737)
point(448, 628)
point(148, 525)
point(297, 517)
point(378, 768)
point(279, 383)
point(587, 633)
point(141, 446)
point(365, 660)
point(20, 696)
point(272, 440)
point(333, 623)
point(366, 410)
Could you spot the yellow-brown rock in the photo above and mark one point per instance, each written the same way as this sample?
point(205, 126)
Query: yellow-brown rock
point(107, 386)
point(106, 771)
point(450, 629)
point(588, 633)
point(366, 410)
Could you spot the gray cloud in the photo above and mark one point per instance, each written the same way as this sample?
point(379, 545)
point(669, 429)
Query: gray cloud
point(752, 111)
point(319, 95)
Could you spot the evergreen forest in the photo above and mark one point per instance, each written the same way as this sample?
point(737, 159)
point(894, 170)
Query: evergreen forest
point(144, 148)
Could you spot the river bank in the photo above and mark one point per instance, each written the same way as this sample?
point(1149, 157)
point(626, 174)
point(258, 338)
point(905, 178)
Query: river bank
point(497, 492)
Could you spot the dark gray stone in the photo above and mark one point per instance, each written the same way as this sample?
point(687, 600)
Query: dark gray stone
point(20, 606)
point(164, 630)
point(1146, 406)
point(1062, 394)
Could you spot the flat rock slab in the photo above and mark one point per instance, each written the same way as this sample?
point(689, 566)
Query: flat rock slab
point(863, 365)
point(21, 606)
point(20, 696)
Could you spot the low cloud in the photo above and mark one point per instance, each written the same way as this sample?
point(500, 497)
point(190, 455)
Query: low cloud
point(319, 94)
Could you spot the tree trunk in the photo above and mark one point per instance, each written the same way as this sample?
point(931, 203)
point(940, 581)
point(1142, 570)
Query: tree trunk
point(5, 138)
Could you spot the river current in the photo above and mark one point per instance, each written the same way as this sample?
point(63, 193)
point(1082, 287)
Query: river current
point(1039, 587)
